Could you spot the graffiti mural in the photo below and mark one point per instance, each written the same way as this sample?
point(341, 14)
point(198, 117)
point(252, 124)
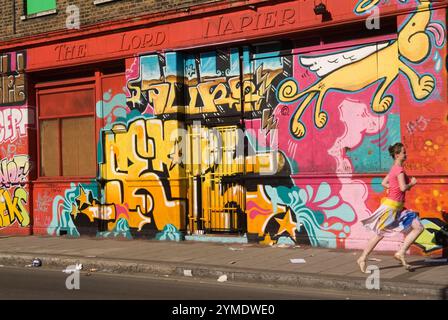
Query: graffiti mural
point(206, 83)
point(12, 79)
point(286, 145)
point(12, 207)
point(371, 63)
point(15, 164)
point(137, 169)
point(14, 171)
point(366, 6)
point(14, 122)
point(13, 196)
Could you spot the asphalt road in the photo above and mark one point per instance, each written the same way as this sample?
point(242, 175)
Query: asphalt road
point(50, 284)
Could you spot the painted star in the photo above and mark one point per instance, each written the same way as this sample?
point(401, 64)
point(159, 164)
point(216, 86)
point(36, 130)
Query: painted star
point(82, 198)
point(287, 224)
point(176, 155)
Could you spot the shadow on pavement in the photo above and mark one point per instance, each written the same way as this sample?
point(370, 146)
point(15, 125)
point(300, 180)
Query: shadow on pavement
point(420, 264)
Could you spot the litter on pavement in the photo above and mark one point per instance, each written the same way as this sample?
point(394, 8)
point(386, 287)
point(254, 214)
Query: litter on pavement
point(71, 269)
point(374, 259)
point(297, 260)
point(232, 262)
point(222, 278)
point(187, 273)
point(36, 262)
point(283, 245)
point(236, 249)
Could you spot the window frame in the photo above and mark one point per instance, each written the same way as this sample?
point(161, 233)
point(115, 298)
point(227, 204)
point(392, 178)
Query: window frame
point(99, 2)
point(48, 12)
point(59, 87)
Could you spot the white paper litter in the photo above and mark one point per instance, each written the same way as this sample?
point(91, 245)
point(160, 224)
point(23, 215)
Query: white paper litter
point(1, 266)
point(187, 273)
point(236, 249)
point(297, 260)
point(232, 262)
point(77, 267)
point(374, 259)
point(222, 278)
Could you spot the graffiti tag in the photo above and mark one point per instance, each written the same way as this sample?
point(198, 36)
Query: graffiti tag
point(217, 95)
point(13, 123)
point(12, 78)
point(14, 172)
point(14, 209)
point(418, 125)
point(43, 202)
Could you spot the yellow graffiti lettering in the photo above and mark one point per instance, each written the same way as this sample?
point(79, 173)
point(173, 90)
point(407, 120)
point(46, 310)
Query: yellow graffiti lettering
point(161, 97)
point(133, 156)
point(13, 209)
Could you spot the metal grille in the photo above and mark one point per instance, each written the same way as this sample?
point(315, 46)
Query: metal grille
point(222, 195)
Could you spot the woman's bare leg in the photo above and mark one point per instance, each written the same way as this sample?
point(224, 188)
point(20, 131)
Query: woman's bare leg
point(370, 246)
point(417, 229)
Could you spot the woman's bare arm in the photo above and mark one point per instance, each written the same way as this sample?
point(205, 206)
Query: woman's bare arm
point(402, 183)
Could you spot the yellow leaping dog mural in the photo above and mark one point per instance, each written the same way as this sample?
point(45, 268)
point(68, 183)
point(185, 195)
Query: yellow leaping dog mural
point(355, 70)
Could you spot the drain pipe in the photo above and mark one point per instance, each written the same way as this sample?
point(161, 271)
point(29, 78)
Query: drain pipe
point(14, 17)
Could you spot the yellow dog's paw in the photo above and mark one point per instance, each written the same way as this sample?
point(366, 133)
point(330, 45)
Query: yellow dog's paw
point(321, 120)
point(298, 129)
point(426, 85)
point(384, 104)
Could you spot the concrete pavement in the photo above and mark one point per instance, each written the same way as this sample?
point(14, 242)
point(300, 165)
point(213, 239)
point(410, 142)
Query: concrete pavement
point(322, 268)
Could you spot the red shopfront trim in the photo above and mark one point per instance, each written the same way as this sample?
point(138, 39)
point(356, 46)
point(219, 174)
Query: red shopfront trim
point(241, 24)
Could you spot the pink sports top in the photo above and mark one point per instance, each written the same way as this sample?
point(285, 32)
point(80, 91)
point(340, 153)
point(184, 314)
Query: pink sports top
point(394, 187)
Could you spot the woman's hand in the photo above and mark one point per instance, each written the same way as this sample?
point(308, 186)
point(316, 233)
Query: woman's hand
point(413, 182)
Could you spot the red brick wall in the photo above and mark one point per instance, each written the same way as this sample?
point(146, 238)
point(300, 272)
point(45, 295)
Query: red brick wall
point(90, 14)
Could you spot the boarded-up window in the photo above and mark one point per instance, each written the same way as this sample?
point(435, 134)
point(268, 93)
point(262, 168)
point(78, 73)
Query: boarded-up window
point(36, 6)
point(78, 148)
point(67, 131)
point(49, 154)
